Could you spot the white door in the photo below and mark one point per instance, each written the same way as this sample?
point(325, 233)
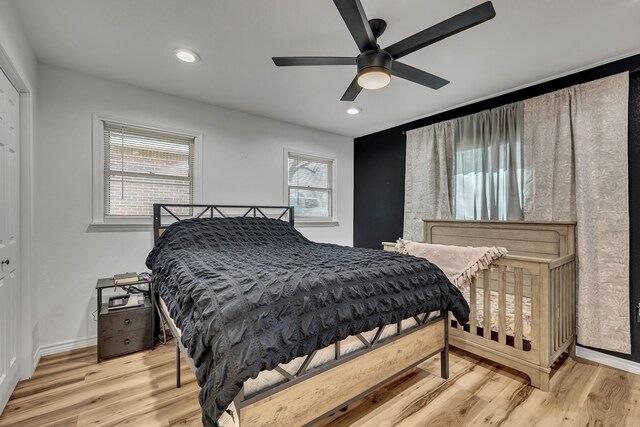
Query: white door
point(9, 239)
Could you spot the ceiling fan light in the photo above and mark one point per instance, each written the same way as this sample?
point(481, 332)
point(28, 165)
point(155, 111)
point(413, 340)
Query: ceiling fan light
point(374, 79)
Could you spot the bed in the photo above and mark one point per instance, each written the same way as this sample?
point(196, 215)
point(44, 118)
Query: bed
point(247, 294)
point(527, 320)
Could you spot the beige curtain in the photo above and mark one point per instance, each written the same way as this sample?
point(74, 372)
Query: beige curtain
point(576, 168)
point(428, 177)
point(549, 190)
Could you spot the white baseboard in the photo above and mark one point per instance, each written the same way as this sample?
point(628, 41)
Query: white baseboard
point(29, 364)
point(607, 360)
point(69, 345)
point(36, 359)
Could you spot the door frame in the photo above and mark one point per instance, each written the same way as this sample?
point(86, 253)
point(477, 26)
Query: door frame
point(28, 349)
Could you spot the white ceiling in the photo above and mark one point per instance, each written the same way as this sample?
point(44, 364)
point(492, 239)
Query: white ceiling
point(131, 41)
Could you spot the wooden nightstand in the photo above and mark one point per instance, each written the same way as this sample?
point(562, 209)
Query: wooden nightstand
point(125, 330)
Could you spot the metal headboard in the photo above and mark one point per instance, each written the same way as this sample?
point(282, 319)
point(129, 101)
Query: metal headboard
point(172, 211)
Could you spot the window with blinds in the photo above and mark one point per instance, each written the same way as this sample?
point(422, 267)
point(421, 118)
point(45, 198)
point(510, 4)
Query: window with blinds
point(310, 186)
point(144, 166)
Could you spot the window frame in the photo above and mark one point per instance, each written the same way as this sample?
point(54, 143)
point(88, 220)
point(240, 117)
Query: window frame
point(102, 222)
point(331, 221)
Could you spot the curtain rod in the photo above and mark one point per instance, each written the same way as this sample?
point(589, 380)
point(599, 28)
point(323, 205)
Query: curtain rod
point(632, 73)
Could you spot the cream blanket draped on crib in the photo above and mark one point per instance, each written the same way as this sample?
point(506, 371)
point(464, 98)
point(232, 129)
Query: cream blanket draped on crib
point(460, 264)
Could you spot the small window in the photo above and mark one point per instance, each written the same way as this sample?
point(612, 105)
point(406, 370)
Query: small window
point(310, 186)
point(136, 166)
point(143, 167)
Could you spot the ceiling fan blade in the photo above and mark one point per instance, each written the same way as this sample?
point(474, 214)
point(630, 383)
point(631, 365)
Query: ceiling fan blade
point(423, 78)
point(291, 61)
point(352, 91)
point(455, 24)
point(357, 23)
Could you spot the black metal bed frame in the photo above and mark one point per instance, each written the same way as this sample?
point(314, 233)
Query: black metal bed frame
point(303, 373)
point(160, 209)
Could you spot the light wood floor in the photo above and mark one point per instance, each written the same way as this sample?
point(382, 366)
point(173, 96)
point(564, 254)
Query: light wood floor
point(139, 390)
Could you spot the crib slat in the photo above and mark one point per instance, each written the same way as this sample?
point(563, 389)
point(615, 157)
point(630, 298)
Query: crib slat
point(552, 305)
point(559, 313)
point(502, 305)
point(486, 292)
point(473, 318)
point(563, 304)
point(554, 311)
point(518, 280)
point(567, 298)
point(573, 290)
point(536, 320)
point(571, 305)
point(556, 306)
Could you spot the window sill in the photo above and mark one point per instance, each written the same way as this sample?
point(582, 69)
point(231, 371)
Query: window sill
point(303, 224)
point(115, 226)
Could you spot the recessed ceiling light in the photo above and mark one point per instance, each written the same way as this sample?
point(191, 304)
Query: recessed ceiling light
point(354, 110)
point(187, 55)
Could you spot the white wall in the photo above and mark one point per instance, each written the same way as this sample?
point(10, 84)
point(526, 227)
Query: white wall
point(14, 43)
point(19, 63)
point(242, 164)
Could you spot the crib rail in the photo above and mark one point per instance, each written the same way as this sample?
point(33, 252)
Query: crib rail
point(505, 289)
point(522, 285)
point(562, 306)
point(519, 290)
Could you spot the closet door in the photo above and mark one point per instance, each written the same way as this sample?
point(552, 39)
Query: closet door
point(9, 239)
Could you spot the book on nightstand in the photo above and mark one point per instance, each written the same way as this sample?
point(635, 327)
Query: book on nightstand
point(125, 278)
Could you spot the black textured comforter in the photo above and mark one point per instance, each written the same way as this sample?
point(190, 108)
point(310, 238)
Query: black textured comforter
point(252, 293)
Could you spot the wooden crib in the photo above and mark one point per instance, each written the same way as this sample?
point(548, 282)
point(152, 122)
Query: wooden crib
point(534, 285)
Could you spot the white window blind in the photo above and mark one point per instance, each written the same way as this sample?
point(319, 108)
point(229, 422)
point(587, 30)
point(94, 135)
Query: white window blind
point(310, 186)
point(143, 166)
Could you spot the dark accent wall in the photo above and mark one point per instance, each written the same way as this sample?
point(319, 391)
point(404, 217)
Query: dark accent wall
point(634, 211)
point(379, 171)
point(378, 197)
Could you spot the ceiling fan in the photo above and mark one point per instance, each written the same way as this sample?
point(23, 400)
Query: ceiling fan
point(376, 65)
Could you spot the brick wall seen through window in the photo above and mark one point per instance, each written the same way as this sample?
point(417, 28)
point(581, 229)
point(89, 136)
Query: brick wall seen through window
point(143, 167)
